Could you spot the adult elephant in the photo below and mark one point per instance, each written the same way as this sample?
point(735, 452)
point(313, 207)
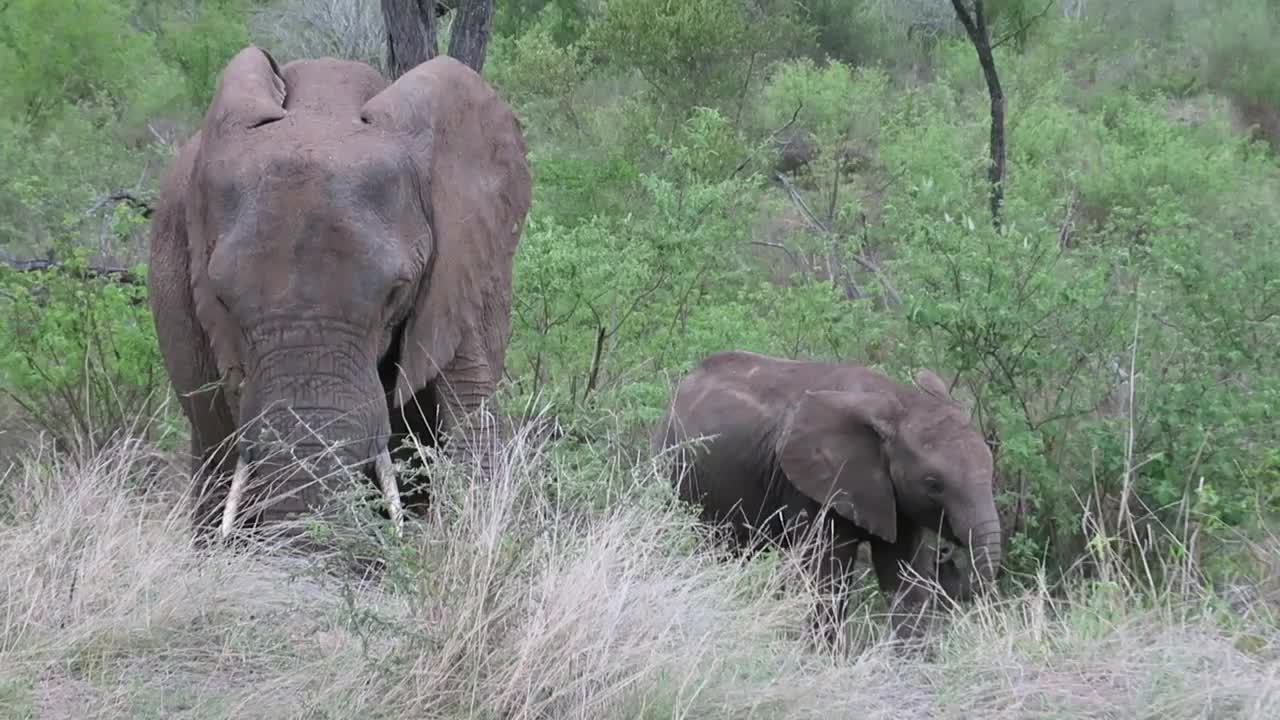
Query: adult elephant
point(331, 259)
point(777, 441)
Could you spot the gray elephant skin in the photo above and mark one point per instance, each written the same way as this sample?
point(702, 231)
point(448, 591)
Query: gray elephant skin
point(331, 259)
point(762, 444)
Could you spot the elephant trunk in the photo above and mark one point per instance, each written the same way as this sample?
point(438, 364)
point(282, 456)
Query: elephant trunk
point(986, 556)
point(981, 536)
point(306, 435)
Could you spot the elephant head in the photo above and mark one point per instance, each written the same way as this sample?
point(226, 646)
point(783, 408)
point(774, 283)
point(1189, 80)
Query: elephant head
point(881, 454)
point(350, 241)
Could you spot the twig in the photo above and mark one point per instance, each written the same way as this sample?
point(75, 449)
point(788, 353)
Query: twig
point(863, 261)
point(768, 141)
point(1127, 477)
point(1025, 25)
point(604, 333)
point(746, 85)
point(789, 252)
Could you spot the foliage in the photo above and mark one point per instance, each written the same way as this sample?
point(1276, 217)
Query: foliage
point(1116, 339)
point(71, 52)
point(691, 50)
point(79, 356)
point(200, 44)
point(563, 19)
point(344, 29)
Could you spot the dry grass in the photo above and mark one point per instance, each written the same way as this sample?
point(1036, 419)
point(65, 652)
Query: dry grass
point(505, 604)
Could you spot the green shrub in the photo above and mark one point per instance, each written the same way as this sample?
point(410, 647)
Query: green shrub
point(201, 44)
point(79, 356)
point(71, 51)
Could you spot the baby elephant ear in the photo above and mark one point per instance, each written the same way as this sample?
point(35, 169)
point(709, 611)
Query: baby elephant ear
point(928, 381)
point(832, 450)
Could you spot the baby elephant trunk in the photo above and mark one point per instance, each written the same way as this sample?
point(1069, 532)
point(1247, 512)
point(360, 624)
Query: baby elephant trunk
point(980, 537)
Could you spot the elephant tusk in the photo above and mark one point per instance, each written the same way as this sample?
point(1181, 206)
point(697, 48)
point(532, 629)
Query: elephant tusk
point(238, 481)
point(387, 479)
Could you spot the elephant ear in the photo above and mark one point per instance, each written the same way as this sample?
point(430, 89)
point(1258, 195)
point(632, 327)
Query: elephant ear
point(928, 381)
point(250, 94)
point(473, 177)
point(832, 450)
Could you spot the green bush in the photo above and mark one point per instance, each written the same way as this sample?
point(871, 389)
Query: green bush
point(79, 356)
point(71, 52)
point(1135, 208)
point(200, 45)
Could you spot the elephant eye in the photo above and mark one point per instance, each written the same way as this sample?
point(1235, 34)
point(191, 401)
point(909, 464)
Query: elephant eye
point(393, 297)
point(933, 484)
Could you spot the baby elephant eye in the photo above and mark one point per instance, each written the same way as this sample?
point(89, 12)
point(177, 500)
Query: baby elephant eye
point(933, 483)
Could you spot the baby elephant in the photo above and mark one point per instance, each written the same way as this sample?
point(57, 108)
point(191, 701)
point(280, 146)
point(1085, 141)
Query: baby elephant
point(781, 439)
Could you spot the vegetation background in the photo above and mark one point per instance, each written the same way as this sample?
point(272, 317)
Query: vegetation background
point(799, 177)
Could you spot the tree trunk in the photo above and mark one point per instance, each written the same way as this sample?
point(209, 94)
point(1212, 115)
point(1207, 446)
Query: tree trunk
point(469, 37)
point(975, 25)
point(411, 34)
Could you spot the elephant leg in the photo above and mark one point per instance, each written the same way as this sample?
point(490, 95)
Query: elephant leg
point(835, 565)
point(955, 582)
point(213, 458)
point(908, 598)
point(415, 425)
point(465, 392)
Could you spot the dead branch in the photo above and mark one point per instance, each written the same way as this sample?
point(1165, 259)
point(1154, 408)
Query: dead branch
point(863, 261)
point(767, 142)
point(1068, 221)
point(121, 274)
point(604, 333)
point(795, 260)
point(143, 206)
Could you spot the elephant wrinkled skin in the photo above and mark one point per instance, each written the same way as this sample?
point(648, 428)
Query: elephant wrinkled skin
point(771, 442)
point(331, 259)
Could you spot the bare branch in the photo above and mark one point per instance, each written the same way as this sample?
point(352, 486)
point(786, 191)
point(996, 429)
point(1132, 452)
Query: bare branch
point(795, 260)
point(863, 261)
point(768, 141)
point(121, 274)
point(143, 207)
point(1068, 221)
point(1030, 21)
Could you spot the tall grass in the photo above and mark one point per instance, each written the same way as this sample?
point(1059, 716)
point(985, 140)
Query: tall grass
point(508, 603)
